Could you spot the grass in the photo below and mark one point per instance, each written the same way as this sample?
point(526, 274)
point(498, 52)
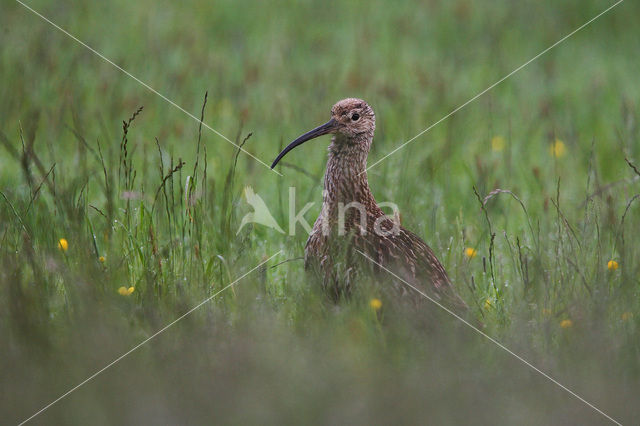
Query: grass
point(155, 205)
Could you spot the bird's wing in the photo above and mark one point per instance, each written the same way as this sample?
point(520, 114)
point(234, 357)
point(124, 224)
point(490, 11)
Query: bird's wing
point(406, 255)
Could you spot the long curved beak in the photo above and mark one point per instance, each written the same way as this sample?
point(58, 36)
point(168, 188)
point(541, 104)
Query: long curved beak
point(327, 127)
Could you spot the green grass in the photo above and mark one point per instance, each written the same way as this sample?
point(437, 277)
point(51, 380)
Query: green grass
point(274, 349)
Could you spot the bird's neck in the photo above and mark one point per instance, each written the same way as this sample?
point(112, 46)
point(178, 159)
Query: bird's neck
point(345, 180)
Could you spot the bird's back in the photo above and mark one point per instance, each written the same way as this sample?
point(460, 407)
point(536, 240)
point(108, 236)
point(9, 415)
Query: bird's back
point(393, 252)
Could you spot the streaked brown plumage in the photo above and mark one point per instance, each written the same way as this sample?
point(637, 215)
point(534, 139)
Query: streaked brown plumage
point(334, 253)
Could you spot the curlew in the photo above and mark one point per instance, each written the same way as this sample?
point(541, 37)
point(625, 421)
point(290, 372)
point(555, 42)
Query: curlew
point(351, 221)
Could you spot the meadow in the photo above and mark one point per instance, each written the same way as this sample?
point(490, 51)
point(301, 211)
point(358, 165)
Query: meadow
point(119, 212)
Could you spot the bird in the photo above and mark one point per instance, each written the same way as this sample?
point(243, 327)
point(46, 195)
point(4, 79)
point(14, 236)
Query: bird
point(351, 224)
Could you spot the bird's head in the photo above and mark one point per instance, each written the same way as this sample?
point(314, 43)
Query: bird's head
point(351, 118)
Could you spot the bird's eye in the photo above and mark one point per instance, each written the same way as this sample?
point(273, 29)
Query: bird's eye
point(355, 116)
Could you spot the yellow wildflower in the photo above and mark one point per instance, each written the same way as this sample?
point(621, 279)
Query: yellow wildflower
point(102, 259)
point(63, 244)
point(557, 148)
point(124, 291)
point(566, 323)
point(497, 143)
point(626, 316)
point(488, 304)
point(375, 304)
point(612, 265)
point(470, 252)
